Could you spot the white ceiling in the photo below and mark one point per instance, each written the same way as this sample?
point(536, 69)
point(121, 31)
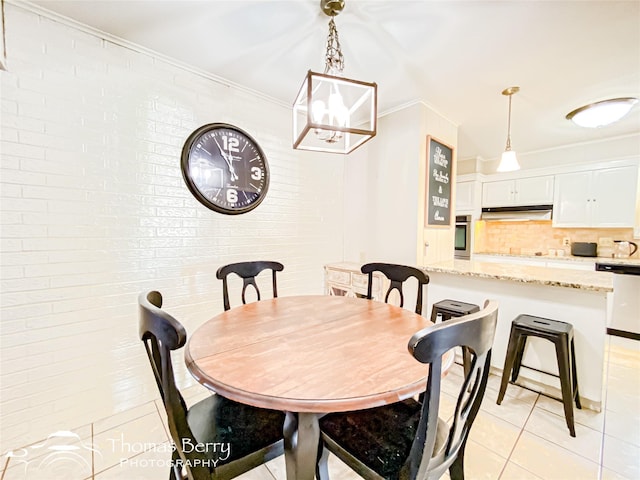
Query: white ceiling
point(456, 56)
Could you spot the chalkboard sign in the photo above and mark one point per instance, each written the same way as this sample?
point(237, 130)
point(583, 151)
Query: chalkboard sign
point(439, 163)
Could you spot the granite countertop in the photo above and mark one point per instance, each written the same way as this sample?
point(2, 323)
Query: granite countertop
point(554, 277)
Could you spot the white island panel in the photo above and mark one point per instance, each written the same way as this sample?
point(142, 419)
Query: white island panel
point(580, 300)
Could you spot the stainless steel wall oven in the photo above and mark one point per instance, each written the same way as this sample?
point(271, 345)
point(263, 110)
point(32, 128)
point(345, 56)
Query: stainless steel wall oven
point(463, 237)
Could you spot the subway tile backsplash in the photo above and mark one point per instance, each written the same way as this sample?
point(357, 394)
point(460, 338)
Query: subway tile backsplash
point(529, 237)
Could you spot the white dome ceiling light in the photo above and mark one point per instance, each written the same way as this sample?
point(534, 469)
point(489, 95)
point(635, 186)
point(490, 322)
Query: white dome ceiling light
point(603, 113)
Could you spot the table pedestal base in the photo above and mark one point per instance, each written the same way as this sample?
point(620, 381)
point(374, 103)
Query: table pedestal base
point(301, 441)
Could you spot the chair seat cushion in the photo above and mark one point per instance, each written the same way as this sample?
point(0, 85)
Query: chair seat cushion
point(380, 437)
point(218, 422)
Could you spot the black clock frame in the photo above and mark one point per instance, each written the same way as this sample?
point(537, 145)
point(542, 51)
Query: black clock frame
point(192, 140)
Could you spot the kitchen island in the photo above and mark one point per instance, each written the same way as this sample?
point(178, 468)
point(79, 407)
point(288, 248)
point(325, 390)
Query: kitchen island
point(578, 297)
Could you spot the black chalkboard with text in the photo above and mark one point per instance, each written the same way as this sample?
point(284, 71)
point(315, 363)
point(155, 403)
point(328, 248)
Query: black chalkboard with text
point(439, 164)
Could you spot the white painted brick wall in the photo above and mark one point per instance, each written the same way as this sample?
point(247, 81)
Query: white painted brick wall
point(94, 210)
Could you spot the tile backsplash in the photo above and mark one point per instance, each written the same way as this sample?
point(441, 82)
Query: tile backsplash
point(527, 238)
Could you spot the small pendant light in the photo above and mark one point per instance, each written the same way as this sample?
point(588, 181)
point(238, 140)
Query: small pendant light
point(509, 161)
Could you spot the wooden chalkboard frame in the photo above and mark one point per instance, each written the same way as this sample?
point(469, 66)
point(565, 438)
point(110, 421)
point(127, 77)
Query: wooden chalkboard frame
point(438, 192)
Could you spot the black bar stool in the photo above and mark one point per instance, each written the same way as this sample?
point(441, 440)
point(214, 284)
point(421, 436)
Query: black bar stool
point(452, 308)
point(447, 309)
point(561, 334)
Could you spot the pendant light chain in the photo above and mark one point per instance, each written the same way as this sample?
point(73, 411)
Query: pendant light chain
point(334, 60)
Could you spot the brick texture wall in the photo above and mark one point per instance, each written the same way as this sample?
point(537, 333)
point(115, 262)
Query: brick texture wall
point(94, 211)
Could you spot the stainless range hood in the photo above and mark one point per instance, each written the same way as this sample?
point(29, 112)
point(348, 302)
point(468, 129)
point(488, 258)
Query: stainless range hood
point(519, 213)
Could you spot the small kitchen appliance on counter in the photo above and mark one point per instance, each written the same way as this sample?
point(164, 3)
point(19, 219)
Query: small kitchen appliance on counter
point(624, 249)
point(606, 247)
point(584, 249)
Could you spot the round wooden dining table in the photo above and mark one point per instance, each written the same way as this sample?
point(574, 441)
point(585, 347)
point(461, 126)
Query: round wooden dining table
point(309, 356)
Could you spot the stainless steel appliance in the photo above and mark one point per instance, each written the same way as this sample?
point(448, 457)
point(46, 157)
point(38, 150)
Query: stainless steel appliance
point(520, 213)
point(625, 312)
point(463, 237)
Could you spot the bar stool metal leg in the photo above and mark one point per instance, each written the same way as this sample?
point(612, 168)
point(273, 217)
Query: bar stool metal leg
point(574, 375)
point(520, 344)
point(508, 362)
point(564, 371)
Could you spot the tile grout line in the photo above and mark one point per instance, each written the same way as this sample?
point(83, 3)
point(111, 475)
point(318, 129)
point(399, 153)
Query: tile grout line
point(604, 434)
point(515, 444)
point(124, 411)
point(162, 420)
point(93, 454)
point(4, 470)
point(604, 406)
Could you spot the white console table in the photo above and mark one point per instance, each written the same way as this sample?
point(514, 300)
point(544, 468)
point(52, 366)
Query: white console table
point(345, 279)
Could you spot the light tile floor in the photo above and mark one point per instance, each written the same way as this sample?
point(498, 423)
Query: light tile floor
point(524, 438)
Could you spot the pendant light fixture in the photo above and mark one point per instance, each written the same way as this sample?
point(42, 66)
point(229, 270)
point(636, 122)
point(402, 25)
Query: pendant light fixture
point(332, 113)
point(509, 161)
point(603, 113)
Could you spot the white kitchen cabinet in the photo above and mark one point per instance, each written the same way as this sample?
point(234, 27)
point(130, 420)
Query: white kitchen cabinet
point(596, 198)
point(468, 195)
point(465, 196)
point(498, 194)
point(521, 191)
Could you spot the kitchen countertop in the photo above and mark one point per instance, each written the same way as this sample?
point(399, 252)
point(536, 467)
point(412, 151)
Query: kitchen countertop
point(618, 261)
point(625, 261)
point(553, 277)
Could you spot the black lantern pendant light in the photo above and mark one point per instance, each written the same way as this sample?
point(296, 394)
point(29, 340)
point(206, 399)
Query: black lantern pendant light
point(331, 112)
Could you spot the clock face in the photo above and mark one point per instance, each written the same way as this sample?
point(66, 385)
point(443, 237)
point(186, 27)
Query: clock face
point(225, 169)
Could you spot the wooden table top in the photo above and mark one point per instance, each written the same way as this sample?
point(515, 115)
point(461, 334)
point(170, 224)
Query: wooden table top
point(309, 354)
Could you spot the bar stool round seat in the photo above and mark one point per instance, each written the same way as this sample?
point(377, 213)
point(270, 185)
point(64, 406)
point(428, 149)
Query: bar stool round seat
point(561, 335)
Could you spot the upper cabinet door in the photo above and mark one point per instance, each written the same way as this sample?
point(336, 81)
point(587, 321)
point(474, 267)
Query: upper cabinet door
point(498, 194)
point(614, 197)
point(597, 198)
point(523, 191)
point(571, 203)
point(534, 190)
point(464, 196)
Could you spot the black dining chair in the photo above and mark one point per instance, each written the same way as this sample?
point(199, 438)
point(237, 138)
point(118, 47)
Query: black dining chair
point(407, 439)
point(216, 438)
point(397, 274)
point(248, 271)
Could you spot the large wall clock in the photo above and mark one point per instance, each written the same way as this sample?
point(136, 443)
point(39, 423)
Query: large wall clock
point(225, 168)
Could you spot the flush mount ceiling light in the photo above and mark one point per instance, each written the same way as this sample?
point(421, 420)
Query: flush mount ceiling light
point(600, 114)
point(332, 113)
point(509, 161)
